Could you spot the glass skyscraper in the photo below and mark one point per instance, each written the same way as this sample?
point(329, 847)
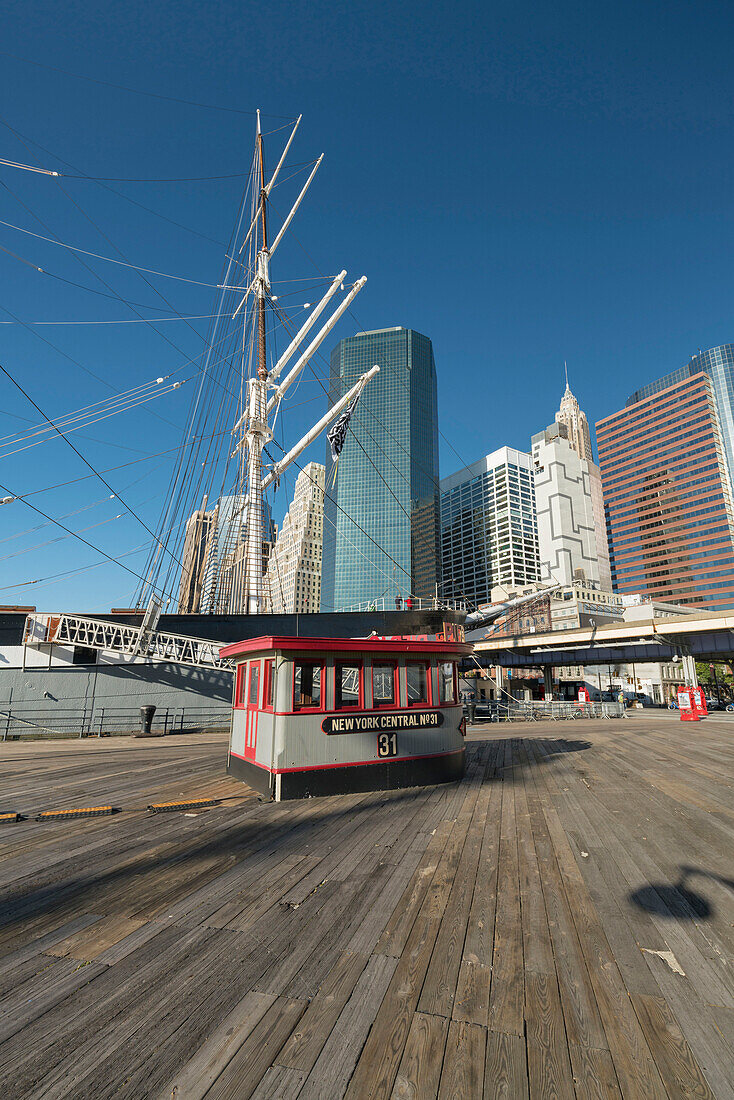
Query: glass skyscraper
point(381, 510)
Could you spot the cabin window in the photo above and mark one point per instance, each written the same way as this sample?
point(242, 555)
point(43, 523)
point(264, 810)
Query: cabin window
point(347, 685)
point(268, 683)
point(417, 676)
point(447, 682)
point(307, 685)
point(241, 682)
point(253, 692)
point(383, 685)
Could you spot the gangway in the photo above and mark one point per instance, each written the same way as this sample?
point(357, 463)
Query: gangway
point(132, 641)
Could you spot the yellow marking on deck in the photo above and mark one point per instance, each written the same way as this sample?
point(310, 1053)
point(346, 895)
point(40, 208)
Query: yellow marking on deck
point(193, 804)
point(77, 811)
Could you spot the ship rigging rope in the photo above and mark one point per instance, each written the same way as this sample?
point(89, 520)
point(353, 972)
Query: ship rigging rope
point(118, 297)
point(289, 119)
point(198, 412)
point(118, 400)
point(53, 577)
point(86, 462)
point(129, 304)
point(97, 549)
point(116, 179)
point(109, 470)
point(60, 538)
point(120, 321)
point(119, 194)
point(120, 263)
point(87, 422)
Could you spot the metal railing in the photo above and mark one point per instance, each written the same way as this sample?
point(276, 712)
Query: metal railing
point(517, 710)
point(29, 722)
point(422, 603)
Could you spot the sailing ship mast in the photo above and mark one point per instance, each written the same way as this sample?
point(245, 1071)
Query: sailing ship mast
point(254, 424)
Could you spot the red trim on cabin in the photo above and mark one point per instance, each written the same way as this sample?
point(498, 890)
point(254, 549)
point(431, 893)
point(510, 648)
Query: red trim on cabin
point(365, 710)
point(344, 645)
point(348, 763)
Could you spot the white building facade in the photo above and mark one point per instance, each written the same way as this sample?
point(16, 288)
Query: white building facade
point(564, 506)
point(574, 418)
point(293, 576)
point(489, 531)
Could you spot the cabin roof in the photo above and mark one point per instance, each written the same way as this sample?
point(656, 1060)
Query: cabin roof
point(345, 645)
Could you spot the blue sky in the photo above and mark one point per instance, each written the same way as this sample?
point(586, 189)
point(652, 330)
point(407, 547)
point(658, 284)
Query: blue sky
point(524, 183)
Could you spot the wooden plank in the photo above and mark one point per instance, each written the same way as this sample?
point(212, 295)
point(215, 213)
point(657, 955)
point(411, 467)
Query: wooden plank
point(280, 1083)
point(395, 936)
point(378, 1064)
point(244, 1071)
point(63, 1033)
point(89, 943)
point(506, 993)
point(439, 989)
point(199, 1073)
point(419, 1072)
point(335, 1065)
point(473, 985)
point(549, 1065)
point(24, 962)
point(505, 1070)
point(581, 1015)
point(35, 997)
point(537, 946)
point(307, 1041)
point(463, 1066)
point(593, 1074)
point(633, 1061)
point(681, 1073)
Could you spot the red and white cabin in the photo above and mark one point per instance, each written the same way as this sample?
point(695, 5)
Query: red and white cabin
point(318, 716)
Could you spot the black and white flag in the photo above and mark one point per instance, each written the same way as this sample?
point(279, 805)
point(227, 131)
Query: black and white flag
point(338, 433)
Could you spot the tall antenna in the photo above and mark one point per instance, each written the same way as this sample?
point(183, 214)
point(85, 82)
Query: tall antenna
point(565, 367)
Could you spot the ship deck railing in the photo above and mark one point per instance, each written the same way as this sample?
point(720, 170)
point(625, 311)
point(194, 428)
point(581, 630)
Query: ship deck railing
point(29, 721)
point(422, 603)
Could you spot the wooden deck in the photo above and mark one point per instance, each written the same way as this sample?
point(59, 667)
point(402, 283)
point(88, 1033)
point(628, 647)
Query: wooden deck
point(559, 924)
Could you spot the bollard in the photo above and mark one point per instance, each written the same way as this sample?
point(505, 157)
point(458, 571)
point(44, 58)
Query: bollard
point(146, 721)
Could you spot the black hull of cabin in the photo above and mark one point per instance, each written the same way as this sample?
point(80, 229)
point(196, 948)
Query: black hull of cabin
point(260, 779)
point(424, 771)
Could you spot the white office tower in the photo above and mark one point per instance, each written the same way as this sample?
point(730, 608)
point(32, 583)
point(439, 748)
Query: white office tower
point(489, 534)
point(565, 509)
point(579, 436)
point(600, 527)
point(572, 415)
point(293, 577)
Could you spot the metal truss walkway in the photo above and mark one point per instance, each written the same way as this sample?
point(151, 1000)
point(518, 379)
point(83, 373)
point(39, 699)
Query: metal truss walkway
point(133, 641)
